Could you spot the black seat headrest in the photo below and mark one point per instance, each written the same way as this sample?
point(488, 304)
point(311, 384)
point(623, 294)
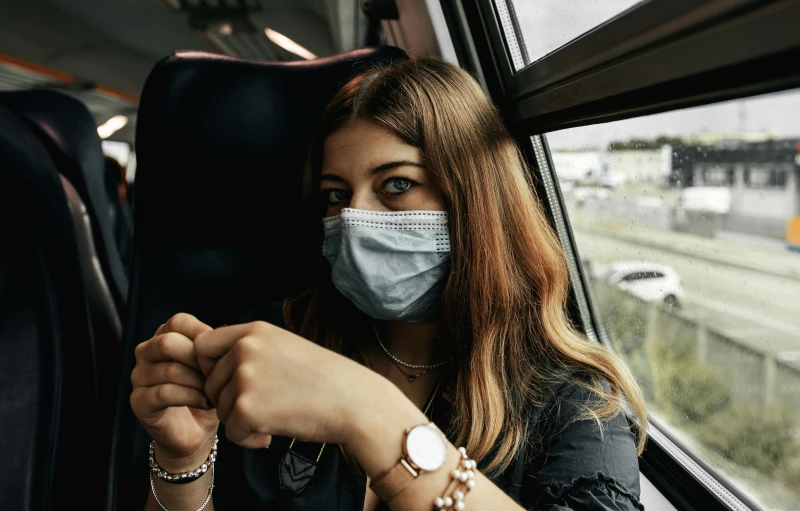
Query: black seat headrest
point(69, 132)
point(219, 222)
point(221, 148)
point(221, 142)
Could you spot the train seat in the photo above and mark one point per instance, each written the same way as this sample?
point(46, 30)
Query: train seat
point(221, 144)
point(49, 385)
point(69, 133)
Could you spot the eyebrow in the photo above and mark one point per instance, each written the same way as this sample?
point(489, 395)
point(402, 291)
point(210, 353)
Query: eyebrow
point(377, 170)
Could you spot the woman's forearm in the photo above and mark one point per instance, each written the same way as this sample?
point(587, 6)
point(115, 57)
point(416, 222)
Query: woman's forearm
point(180, 497)
point(376, 442)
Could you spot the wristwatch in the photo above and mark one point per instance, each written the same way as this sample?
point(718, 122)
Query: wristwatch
point(424, 450)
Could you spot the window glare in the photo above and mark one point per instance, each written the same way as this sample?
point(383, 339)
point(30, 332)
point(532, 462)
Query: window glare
point(688, 227)
point(547, 25)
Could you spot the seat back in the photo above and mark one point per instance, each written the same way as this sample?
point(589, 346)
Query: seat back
point(219, 223)
point(48, 382)
point(120, 218)
point(68, 131)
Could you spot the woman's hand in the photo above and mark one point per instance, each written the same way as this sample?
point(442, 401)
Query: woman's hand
point(267, 381)
point(168, 397)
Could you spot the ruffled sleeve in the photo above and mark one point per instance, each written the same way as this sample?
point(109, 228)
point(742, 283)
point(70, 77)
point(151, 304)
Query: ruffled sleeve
point(599, 492)
point(580, 464)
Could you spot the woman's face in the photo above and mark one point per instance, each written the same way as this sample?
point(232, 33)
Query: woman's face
point(367, 167)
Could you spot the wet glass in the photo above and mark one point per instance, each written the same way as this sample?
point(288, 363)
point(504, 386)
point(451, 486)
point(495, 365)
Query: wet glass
point(546, 25)
point(688, 227)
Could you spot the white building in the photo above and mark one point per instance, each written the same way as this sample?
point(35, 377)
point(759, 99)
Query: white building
point(636, 165)
point(572, 166)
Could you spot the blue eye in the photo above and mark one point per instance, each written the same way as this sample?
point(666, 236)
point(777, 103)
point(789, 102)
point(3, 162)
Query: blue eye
point(397, 185)
point(334, 196)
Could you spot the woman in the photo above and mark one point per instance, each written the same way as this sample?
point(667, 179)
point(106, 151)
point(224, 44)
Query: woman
point(440, 297)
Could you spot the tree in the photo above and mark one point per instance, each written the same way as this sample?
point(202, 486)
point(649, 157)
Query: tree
point(640, 144)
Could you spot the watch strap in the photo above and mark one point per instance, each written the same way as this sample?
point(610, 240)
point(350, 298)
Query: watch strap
point(389, 484)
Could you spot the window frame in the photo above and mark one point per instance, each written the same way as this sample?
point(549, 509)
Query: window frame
point(575, 85)
point(617, 71)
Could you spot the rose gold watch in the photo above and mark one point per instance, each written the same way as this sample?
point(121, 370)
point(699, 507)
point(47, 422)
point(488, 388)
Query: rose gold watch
point(424, 450)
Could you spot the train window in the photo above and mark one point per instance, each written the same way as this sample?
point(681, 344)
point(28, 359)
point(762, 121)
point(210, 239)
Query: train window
point(714, 347)
point(544, 26)
point(760, 176)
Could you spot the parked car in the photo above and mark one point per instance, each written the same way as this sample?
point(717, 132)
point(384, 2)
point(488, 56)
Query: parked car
point(645, 280)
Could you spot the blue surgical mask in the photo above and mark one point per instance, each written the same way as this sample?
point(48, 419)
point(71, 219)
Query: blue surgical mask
point(390, 265)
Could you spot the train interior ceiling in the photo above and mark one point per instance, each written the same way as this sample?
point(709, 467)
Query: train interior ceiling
point(674, 189)
point(101, 52)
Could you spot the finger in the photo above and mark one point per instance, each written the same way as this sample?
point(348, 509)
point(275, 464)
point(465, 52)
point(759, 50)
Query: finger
point(252, 440)
point(168, 347)
point(215, 343)
point(147, 374)
point(221, 375)
point(240, 430)
point(225, 402)
point(147, 401)
point(185, 324)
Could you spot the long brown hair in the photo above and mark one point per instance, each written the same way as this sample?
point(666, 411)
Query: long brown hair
point(505, 298)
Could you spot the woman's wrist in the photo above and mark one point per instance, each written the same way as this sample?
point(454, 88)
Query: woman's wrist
point(180, 464)
point(377, 425)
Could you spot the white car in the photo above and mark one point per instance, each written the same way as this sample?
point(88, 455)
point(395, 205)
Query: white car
point(648, 281)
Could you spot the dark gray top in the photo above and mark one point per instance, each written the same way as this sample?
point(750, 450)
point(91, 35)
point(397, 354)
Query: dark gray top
point(569, 464)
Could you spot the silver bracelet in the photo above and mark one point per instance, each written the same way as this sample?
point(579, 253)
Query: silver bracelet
point(184, 477)
point(205, 502)
point(463, 481)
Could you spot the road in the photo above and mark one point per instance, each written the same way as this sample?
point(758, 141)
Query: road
point(745, 303)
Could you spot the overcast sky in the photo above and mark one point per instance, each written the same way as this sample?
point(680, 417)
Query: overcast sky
point(549, 24)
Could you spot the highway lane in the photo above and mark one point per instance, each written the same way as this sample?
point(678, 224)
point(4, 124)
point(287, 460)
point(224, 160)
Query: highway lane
point(745, 303)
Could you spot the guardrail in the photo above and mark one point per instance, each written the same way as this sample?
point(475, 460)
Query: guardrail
point(754, 376)
point(651, 227)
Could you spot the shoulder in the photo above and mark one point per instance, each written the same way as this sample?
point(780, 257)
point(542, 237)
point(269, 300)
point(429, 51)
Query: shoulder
point(577, 459)
point(570, 397)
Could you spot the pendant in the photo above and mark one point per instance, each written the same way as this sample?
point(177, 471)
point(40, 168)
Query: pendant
point(412, 377)
point(295, 472)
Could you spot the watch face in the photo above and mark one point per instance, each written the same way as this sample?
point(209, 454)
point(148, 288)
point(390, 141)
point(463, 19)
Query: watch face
point(426, 447)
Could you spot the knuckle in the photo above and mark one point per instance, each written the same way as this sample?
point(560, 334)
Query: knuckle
point(138, 351)
point(135, 400)
point(242, 407)
point(243, 374)
point(167, 343)
point(136, 375)
point(163, 393)
point(173, 322)
point(263, 327)
point(162, 342)
point(246, 345)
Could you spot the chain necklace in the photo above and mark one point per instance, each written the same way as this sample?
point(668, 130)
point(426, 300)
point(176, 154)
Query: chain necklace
point(411, 377)
point(400, 364)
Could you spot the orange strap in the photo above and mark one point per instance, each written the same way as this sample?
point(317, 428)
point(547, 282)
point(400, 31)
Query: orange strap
point(390, 483)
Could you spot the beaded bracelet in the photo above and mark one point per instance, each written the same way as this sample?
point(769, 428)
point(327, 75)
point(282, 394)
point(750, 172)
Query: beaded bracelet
point(462, 481)
point(184, 477)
